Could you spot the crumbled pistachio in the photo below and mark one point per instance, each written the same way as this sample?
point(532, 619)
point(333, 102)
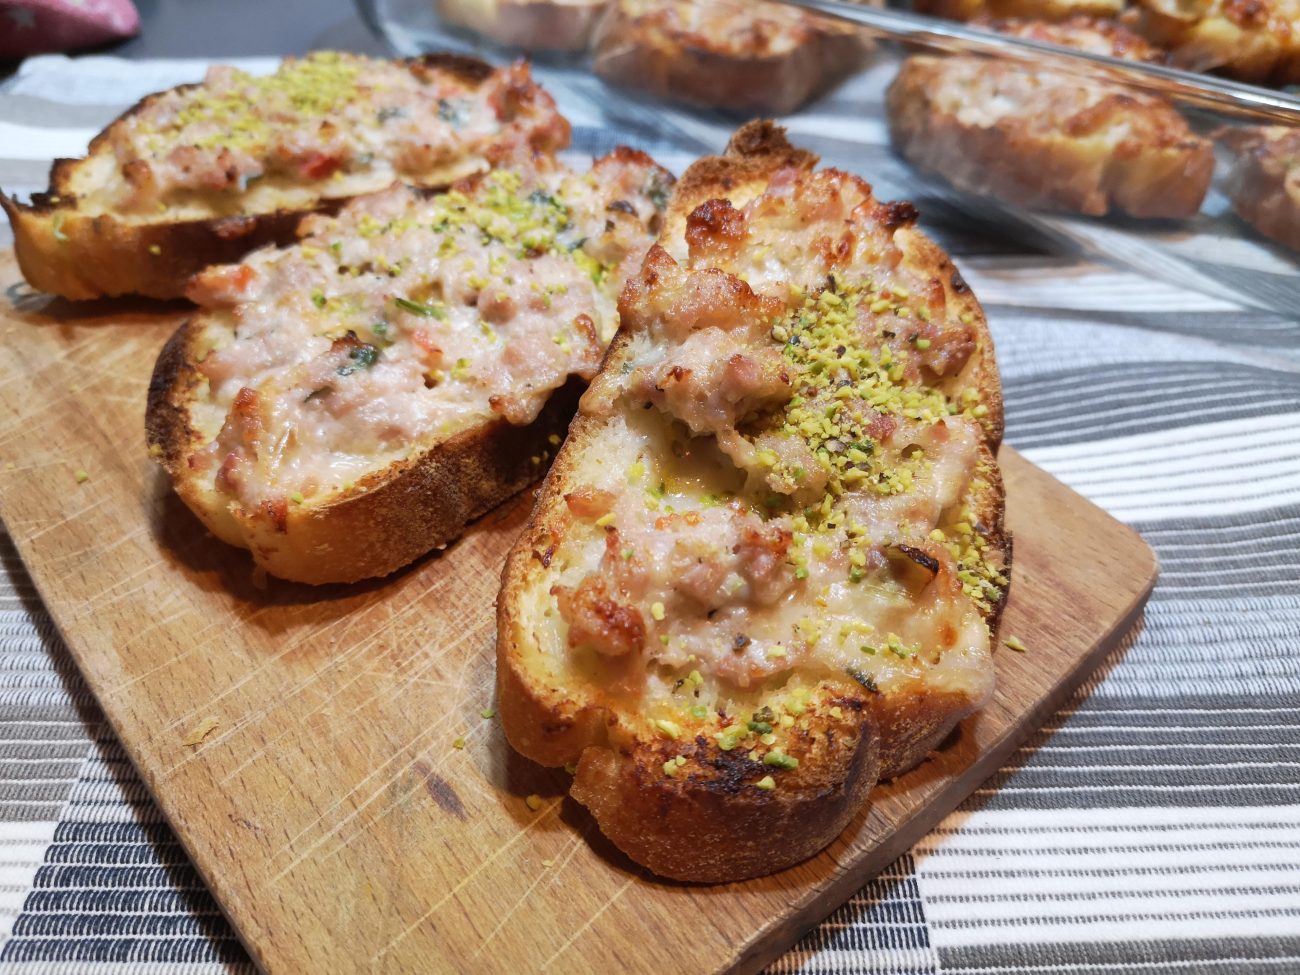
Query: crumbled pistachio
point(533, 801)
point(489, 712)
point(1014, 643)
point(766, 783)
point(670, 728)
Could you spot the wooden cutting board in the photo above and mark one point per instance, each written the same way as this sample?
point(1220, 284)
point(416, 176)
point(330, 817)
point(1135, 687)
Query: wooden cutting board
point(327, 804)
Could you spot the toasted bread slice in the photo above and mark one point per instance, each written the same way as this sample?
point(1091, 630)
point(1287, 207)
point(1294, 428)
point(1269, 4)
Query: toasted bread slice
point(203, 174)
point(1264, 182)
point(342, 406)
point(1254, 40)
point(1043, 139)
point(532, 25)
point(744, 57)
point(1041, 10)
point(763, 570)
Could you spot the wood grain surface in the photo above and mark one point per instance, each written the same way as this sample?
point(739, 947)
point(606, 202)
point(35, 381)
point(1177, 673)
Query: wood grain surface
point(304, 742)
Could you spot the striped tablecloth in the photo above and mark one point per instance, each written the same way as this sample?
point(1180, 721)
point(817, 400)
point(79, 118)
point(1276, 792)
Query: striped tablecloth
point(1152, 826)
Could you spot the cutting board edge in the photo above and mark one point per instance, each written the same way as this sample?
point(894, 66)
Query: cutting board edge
point(770, 943)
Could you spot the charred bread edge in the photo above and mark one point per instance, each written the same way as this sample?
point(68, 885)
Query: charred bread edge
point(713, 827)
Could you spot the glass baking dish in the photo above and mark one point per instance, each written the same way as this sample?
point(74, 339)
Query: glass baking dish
point(994, 128)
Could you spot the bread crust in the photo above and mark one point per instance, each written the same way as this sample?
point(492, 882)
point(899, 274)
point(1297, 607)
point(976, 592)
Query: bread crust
point(1158, 169)
point(707, 822)
point(1042, 10)
point(1264, 182)
point(1251, 40)
point(83, 256)
point(632, 49)
point(531, 25)
point(389, 518)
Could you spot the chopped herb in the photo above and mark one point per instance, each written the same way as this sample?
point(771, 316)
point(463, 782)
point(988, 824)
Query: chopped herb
point(657, 191)
point(424, 311)
point(318, 297)
point(448, 112)
point(361, 357)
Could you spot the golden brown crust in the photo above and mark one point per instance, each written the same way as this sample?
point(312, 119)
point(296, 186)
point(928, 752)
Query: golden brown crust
point(531, 25)
point(1252, 40)
point(82, 256)
point(650, 51)
point(389, 518)
point(1117, 152)
point(1264, 182)
point(1042, 10)
point(708, 821)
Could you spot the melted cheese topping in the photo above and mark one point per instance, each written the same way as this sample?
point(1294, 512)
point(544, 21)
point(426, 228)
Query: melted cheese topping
point(329, 124)
point(780, 495)
point(404, 321)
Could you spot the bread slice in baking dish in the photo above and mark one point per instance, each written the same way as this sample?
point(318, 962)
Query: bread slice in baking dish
point(344, 405)
point(763, 572)
point(533, 25)
point(1264, 180)
point(1253, 40)
point(744, 57)
point(1040, 10)
point(1044, 139)
point(203, 174)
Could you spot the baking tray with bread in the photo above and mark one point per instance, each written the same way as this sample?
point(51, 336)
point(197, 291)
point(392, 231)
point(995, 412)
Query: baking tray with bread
point(1119, 130)
point(758, 591)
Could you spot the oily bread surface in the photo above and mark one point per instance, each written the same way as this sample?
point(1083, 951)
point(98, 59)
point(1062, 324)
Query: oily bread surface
point(708, 822)
point(66, 251)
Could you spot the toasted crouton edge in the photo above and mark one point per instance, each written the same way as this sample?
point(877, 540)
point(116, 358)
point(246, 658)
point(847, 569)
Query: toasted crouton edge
point(82, 257)
point(387, 519)
point(710, 825)
point(627, 53)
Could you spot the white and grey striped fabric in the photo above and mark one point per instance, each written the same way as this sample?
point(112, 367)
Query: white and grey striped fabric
point(1152, 826)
